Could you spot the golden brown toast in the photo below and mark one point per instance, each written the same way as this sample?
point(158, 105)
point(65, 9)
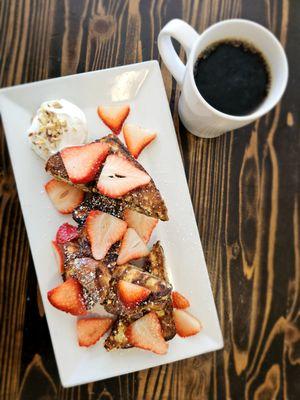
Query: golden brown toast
point(94, 201)
point(159, 290)
point(94, 276)
point(145, 199)
point(155, 265)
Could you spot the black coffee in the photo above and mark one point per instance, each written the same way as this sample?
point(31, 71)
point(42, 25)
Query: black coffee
point(233, 77)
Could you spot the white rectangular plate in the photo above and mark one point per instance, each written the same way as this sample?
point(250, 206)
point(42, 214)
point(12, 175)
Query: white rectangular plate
point(142, 86)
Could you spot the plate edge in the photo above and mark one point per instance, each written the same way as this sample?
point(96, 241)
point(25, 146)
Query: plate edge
point(12, 88)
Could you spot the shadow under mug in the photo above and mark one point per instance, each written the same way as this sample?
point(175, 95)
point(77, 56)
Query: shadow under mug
point(198, 116)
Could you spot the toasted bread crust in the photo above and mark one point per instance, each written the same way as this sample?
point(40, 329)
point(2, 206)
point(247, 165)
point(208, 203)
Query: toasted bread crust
point(159, 291)
point(95, 201)
point(96, 288)
point(164, 308)
point(145, 199)
point(117, 338)
point(154, 263)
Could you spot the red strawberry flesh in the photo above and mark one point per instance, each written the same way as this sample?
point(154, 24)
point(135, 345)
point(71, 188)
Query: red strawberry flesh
point(90, 330)
point(59, 255)
point(83, 162)
point(131, 294)
point(114, 116)
point(142, 224)
point(68, 297)
point(119, 176)
point(146, 333)
point(66, 232)
point(64, 197)
point(132, 247)
point(103, 231)
point(179, 301)
point(186, 324)
point(137, 138)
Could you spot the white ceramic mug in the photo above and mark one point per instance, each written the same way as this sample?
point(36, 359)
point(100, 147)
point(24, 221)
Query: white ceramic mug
point(197, 115)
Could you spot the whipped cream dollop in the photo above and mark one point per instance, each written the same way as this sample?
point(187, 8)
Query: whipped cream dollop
point(57, 124)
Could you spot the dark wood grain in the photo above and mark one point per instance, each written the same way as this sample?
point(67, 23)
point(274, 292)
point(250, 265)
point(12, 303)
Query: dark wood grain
point(245, 192)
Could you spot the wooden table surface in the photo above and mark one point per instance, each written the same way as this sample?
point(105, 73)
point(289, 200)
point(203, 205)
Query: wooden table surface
point(244, 187)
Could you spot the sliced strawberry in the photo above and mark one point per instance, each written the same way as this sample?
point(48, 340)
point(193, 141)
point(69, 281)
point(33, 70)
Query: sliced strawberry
point(119, 176)
point(66, 233)
point(146, 334)
point(132, 247)
point(142, 224)
point(137, 138)
point(82, 162)
point(90, 330)
point(63, 196)
point(103, 231)
point(186, 324)
point(179, 301)
point(114, 116)
point(59, 255)
point(68, 297)
point(131, 294)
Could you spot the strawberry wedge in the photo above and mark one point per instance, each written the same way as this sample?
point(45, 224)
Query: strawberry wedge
point(131, 294)
point(114, 116)
point(146, 334)
point(141, 223)
point(59, 255)
point(103, 231)
point(68, 297)
point(82, 162)
point(64, 197)
point(179, 301)
point(66, 232)
point(90, 330)
point(186, 324)
point(137, 138)
point(132, 247)
point(119, 176)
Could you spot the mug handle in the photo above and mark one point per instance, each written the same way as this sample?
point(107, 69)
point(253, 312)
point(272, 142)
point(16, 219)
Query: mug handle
point(186, 36)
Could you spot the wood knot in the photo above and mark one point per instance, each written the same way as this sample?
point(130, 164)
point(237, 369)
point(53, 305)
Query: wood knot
point(292, 340)
point(7, 184)
point(289, 119)
point(103, 26)
point(235, 250)
point(269, 389)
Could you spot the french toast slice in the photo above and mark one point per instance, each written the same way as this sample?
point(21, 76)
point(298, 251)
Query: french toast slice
point(117, 338)
point(144, 199)
point(155, 264)
point(94, 276)
point(81, 247)
point(94, 201)
point(129, 273)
